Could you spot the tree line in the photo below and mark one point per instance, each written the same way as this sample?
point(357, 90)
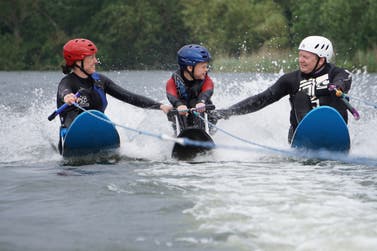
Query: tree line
point(146, 34)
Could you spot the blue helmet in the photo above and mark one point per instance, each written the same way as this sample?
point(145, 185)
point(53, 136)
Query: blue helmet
point(191, 54)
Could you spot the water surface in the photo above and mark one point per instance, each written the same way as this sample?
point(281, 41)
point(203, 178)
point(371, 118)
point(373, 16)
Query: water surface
point(143, 200)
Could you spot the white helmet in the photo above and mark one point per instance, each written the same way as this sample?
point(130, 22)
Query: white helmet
point(318, 45)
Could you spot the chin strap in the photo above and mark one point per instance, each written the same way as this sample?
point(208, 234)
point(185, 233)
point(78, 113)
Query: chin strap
point(82, 68)
point(315, 67)
point(192, 72)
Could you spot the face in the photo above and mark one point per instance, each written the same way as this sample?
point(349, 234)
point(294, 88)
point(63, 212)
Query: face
point(201, 70)
point(90, 63)
point(307, 61)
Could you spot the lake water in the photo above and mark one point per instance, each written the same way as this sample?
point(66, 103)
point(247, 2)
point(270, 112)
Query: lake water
point(254, 199)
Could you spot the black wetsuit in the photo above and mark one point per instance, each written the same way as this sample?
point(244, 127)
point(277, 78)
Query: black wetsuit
point(305, 91)
point(93, 95)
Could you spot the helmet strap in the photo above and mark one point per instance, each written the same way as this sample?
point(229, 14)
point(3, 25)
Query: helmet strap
point(191, 73)
point(315, 67)
point(82, 68)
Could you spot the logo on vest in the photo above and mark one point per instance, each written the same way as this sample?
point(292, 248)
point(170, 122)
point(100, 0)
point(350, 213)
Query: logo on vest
point(83, 101)
point(311, 85)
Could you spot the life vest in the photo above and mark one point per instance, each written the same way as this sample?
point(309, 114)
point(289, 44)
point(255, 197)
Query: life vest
point(98, 87)
point(181, 87)
point(315, 85)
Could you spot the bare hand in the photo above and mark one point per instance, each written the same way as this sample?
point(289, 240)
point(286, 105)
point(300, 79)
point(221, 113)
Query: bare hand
point(70, 98)
point(166, 108)
point(200, 107)
point(182, 110)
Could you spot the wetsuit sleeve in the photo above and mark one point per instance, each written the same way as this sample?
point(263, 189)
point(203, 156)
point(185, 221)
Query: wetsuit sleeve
point(341, 78)
point(272, 94)
point(65, 87)
point(172, 93)
point(206, 91)
point(126, 96)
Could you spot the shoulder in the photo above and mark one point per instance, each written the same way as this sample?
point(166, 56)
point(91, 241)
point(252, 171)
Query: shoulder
point(287, 83)
point(208, 78)
point(333, 69)
point(336, 73)
point(170, 82)
point(174, 77)
point(104, 78)
point(170, 86)
point(69, 76)
point(289, 80)
point(208, 81)
point(68, 79)
point(290, 76)
point(106, 81)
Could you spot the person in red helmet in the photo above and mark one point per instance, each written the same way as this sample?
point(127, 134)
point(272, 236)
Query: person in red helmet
point(81, 76)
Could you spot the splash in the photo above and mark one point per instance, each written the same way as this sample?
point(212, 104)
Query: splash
point(27, 135)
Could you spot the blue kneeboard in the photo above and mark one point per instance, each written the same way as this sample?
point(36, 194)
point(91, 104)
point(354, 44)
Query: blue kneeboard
point(323, 128)
point(88, 134)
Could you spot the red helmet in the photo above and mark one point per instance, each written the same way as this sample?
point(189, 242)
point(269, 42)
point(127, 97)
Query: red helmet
point(77, 49)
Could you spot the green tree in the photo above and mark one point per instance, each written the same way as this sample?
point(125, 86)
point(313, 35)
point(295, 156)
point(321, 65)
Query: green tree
point(351, 25)
point(147, 33)
point(12, 18)
point(137, 34)
point(233, 27)
point(33, 31)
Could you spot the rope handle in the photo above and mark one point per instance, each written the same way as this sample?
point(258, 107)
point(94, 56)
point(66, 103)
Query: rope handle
point(344, 98)
point(176, 111)
point(61, 109)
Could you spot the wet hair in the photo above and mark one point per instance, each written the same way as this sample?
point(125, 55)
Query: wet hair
point(66, 69)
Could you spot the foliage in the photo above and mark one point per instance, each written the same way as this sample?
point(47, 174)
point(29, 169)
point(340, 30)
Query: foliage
point(146, 34)
point(235, 27)
point(138, 34)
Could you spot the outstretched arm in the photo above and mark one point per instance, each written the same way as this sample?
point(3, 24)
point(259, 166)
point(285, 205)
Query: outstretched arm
point(283, 86)
point(253, 103)
point(248, 105)
point(129, 97)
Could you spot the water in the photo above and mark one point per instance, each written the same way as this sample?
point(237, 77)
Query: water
point(143, 200)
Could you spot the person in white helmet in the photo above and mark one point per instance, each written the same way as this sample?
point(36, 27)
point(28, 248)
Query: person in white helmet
point(307, 87)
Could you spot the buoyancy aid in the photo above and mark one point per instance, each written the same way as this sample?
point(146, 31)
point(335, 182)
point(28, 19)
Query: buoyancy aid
point(98, 87)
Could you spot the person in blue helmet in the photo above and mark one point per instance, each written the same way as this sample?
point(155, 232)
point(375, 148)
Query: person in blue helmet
point(190, 86)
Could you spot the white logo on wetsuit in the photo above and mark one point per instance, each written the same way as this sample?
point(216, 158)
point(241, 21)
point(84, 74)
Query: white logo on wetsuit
point(83, 101)
point(311, 85)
